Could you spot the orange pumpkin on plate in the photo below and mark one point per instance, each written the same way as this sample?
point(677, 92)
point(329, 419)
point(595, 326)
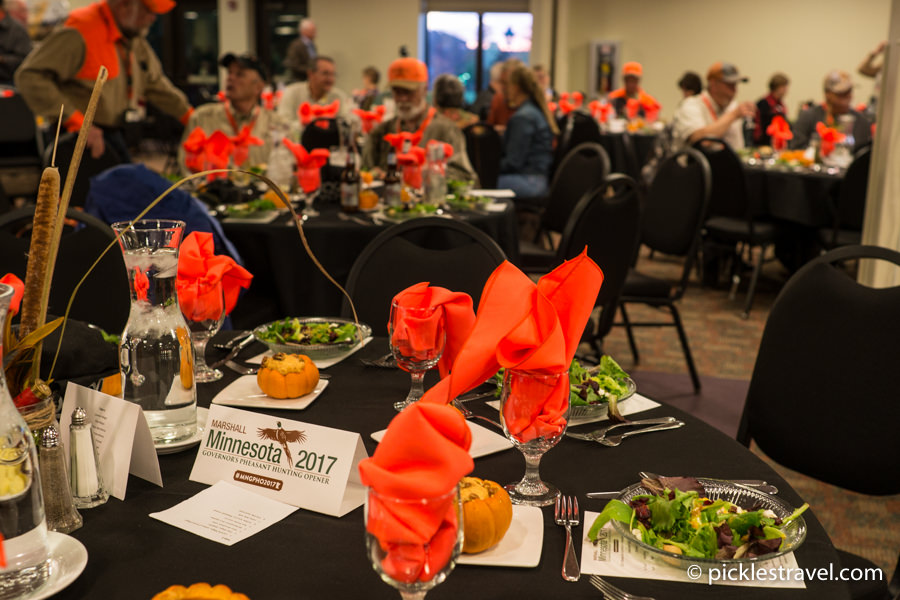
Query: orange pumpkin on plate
point(199, 591)
point(487, 513)
point(287, 375)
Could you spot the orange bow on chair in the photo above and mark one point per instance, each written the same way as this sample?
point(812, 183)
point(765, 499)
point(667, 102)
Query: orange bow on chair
point(369, 117)
point(308, 172)
point(242, 142)
point(829, 136)
point(780, 132)
point(318, 113)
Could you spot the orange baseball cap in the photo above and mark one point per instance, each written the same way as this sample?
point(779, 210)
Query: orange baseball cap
point(726, 72)
point(632, 68)
point(407, 73)
point(159, 6)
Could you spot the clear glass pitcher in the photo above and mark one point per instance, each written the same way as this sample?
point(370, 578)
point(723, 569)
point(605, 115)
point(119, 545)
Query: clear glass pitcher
point(22, 522)
point(155, 354)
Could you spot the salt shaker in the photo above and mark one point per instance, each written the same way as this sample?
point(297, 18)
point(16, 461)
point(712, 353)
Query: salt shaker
point(61, 513)
point(85, 478)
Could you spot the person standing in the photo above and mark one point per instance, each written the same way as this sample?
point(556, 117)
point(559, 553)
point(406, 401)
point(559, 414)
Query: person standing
point(302, 52)
point(769, 107)
point(14, 45)
point(62, 71)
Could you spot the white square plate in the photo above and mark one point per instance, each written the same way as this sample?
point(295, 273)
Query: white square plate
point(484, 441)
point(520, 547)
point(245, 392)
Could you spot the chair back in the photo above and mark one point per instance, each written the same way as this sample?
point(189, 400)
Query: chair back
point(728, 197)
point(675, 207)
point(18, 129)
point(851, 204)
point(87, 168)
point(314, 136)
point(444, 252)
point(607, 221)
point(484, 147)
point(823, 395)
point(575, 128)
point(582, 170)
point(103, 298)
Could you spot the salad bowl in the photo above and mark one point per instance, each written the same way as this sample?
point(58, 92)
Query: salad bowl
point(271, 334)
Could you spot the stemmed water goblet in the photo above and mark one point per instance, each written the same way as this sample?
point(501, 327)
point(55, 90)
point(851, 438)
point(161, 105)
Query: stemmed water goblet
point(417, 343)
point(534, 411)
point(410, 566)
point(204, 316)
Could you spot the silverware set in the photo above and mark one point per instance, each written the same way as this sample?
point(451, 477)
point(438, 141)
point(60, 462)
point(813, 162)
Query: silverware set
point(468, 414)
point(611, 592)
point(603, 436)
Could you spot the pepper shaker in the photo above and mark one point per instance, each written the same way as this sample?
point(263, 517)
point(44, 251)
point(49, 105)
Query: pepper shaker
point(58, 506)
point(85, 478)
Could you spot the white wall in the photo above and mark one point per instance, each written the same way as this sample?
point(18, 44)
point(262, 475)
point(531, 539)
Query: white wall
point(802, 38)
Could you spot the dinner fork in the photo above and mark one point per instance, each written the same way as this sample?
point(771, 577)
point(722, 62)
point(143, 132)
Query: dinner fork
point(566, 514)
point(387, 361)
point(614, 440)
point(470, 415)
point(612, 592)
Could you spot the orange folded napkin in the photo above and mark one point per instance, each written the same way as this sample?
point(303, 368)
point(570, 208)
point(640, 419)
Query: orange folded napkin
point(577, 99)
point(203, 153)
point(200, 275)
point(829, 136)
point(565, 106)
point(309, 175)
point(318, 113)
point(18, 287)
point(141, 284)
point(403, 141)
point(454, 309)
point(551, 106)
point(525, 326)
point(632, 106)
point(369, 117)
point(268, 99)
point(411, 163)
point(600, 110)
point(242, 142)
point(780, 132)
point(424, 453)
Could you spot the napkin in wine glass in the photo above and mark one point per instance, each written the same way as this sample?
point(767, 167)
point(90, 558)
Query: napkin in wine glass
point(525, 326)
point(201, 272)
point(454, 308)
point(424, 453)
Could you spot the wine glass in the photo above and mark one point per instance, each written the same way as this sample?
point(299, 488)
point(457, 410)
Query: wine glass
point(399, 555)
point(310, 181)
point(204, 317)
point(534, 411)
point(417, 342)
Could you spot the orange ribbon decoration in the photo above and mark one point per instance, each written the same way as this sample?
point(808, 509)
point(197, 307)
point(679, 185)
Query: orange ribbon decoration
point(309, 175)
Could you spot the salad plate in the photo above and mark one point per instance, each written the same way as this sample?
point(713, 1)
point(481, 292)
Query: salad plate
point(484, 441)
point(592, 411)
point(747, 498)
point(202, 414)
point(520, 547)
point(301, 336)
point(245, 392)
point(68, 557)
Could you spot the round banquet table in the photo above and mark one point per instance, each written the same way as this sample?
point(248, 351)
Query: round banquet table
point(799, 196)
point(287, 283)
point(313, 556)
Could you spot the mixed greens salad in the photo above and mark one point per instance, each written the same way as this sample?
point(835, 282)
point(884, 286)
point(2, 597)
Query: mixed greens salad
point(409, 210)
point(690, 524)
point(248, 208)
point(297, 331)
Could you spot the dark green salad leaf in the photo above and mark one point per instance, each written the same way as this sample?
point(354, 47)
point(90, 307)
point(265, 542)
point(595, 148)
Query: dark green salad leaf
point(246, 208)
point(295, 331)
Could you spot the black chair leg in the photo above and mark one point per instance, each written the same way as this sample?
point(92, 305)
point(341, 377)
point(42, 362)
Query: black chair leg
point(688, 357)
point(757, 267)
point(630, 333)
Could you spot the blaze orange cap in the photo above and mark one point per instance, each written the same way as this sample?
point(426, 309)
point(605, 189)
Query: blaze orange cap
point(632, 68)
point(407, 73)
point(159, 6)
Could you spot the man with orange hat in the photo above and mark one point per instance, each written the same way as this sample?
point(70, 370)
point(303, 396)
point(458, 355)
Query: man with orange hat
point(62, 70)
point(632, 73)
point(714, 112)
point(408, 80)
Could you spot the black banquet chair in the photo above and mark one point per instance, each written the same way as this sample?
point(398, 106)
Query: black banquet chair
point(823, 395)
point(444, 252)
point(87, 168)
point(103, 299)
point(484, 148)
point(21, 144)
point(673, 215)
point(849, 208)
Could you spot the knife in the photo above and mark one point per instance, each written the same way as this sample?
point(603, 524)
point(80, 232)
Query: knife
point(234, 352)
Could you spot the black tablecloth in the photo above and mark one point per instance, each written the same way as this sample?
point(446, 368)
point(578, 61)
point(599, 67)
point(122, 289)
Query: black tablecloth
point(799, 197)
point(287, 283)
point(313, 556)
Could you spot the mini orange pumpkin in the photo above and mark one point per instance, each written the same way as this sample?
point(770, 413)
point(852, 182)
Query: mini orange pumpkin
point(287, 375)
point(487, 513)
point(199, 591)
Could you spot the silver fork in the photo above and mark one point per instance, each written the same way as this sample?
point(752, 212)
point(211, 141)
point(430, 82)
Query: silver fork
point(615, 440)
point(386, 361)
point(612, 592)
point(470, 415)
point(566, 514)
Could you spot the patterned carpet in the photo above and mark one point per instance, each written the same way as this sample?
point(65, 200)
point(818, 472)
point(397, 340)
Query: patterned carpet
point(724, 347)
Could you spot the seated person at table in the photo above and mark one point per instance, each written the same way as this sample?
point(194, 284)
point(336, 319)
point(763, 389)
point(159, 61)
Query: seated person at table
point(482, 104)
point(528, 139)
point(690, 84)
point(243, 86)
point(714, 112)
point(632, 72)
point(448, 99)
point(838, 98)
point(317, 89)
point(770, 106)
point(408, 80)
point(501, 111)
point(367, 96)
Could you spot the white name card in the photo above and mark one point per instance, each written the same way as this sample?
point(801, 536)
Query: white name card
point(301, 464)
point(123, 439)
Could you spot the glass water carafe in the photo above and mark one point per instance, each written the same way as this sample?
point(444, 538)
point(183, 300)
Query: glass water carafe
point(22, 522)
point(155, 354)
